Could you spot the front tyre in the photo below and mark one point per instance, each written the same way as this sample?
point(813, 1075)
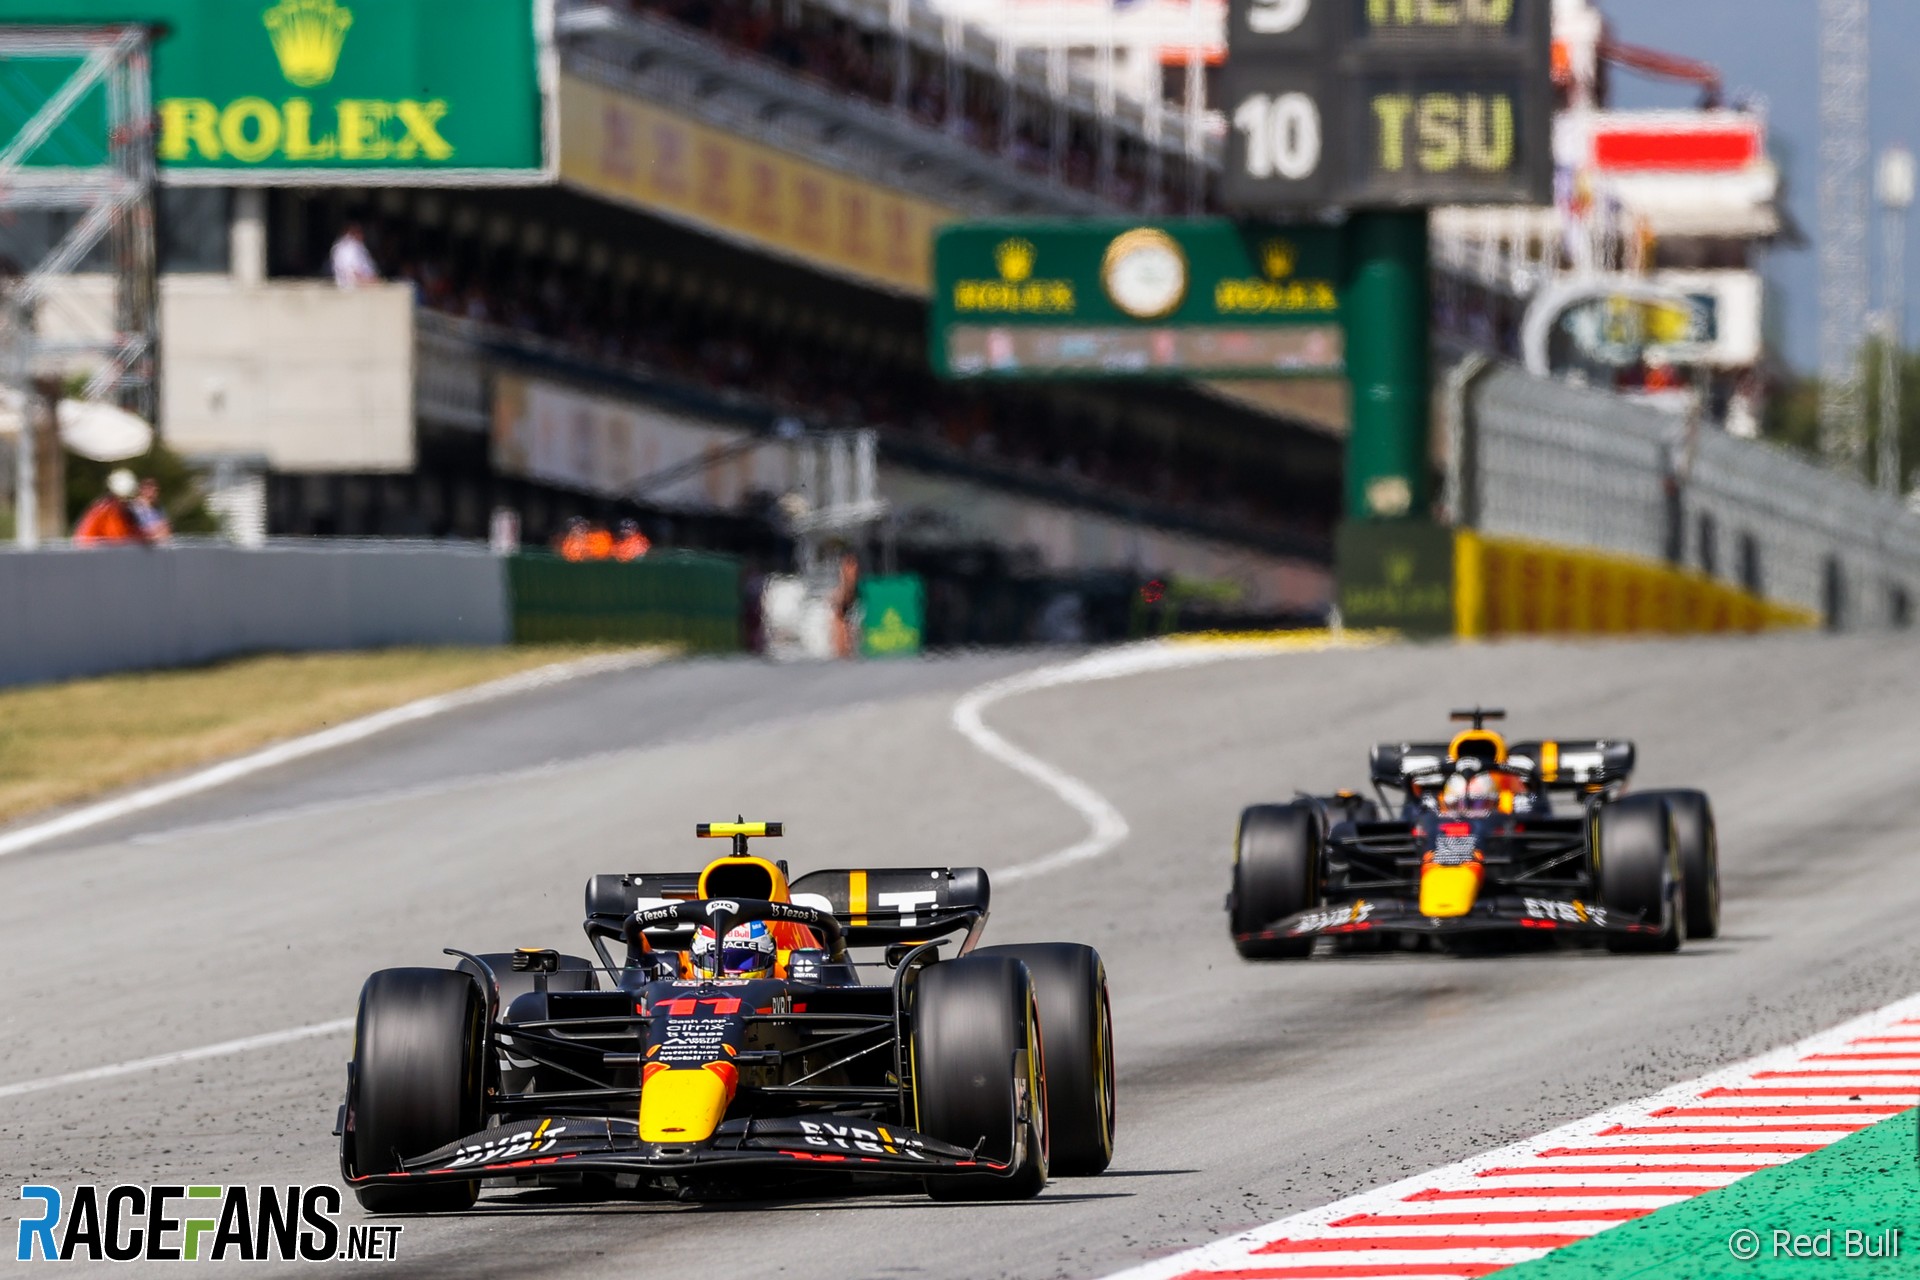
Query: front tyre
point(979, 1073)
point(418, 1081)
point(1276, 873)
point(1638, 871)
point(1076, 1034)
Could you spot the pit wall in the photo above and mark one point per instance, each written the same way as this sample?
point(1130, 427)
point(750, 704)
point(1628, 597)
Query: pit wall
point(67, 613)
point(1516, 587)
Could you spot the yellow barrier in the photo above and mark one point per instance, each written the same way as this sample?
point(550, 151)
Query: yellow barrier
point(1509, 587)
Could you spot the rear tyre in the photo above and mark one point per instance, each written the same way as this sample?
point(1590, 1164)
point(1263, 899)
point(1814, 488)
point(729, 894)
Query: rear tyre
point(1276, 872)
point(419, 1081)
point(1638, 872)
point(979, 1073)
point(1699, 844)
point(1076, 1036)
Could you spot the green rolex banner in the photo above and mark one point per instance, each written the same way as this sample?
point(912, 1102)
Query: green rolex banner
point(331, 91)
point(1396, 574)
point(893, 610)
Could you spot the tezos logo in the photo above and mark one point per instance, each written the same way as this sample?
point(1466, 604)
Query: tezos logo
point(170, 1223)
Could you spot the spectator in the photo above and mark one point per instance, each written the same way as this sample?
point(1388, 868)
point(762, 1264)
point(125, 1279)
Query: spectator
point(111, 521)
point(846, 603)
point(576, 542)
point(352, 263)
point(631, 544)
point(150, 514)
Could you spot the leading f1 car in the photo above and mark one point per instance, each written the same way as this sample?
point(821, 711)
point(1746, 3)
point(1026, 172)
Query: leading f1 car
point(735, 1044)
point(1477, 836)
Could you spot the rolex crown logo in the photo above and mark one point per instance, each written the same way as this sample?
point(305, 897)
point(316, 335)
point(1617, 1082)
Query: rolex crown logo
point(1276, 259)
point(307, 35)
point(1014, 258)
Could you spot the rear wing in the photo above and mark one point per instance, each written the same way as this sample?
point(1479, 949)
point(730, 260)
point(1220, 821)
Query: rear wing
point(1561, 762)
point(1573, 762)
point(1407, 764)
point(882, 906)
point(876, 907)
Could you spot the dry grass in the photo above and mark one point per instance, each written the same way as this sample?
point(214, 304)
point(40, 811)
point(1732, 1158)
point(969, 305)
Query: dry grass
point(63, 743)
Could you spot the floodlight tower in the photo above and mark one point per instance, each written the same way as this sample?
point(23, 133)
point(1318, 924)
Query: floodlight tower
point(1893, 183)
point(1843, 229)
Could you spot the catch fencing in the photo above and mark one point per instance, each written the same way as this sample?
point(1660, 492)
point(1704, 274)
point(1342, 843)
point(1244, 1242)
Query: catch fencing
point(1553, 463)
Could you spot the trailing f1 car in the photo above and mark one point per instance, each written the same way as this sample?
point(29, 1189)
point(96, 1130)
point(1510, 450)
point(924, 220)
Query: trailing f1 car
point(1476, 835)
point(735, 1044)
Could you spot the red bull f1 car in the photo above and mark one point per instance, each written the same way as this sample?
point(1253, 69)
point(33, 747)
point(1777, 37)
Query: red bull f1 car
point(735, 1043)
point(1477, 835)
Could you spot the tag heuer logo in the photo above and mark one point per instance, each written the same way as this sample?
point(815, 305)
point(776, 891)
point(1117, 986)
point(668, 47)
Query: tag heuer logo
point(307, 35)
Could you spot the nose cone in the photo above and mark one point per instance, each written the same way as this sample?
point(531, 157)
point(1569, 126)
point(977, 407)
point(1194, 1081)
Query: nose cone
point(1448, 891)
point(685, 1104)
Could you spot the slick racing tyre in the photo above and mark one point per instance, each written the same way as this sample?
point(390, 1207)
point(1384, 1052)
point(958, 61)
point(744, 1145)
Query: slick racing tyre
point(575, 974)
point(979, 1073)
point(419, 1081)
point(1076, 1036)
point(1276, 872)
point(1638, 871)
point(1699, 843)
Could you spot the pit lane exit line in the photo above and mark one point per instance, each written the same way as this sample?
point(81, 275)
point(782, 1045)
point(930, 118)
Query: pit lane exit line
point(1469, 1219)
point(1107, 825)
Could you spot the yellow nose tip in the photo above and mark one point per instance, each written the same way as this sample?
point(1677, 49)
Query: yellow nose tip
point(1448, 891)
point(684, 1104)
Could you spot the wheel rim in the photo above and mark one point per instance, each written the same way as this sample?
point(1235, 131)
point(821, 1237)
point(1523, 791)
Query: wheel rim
point(1103, 1055)
point(1037, 1082)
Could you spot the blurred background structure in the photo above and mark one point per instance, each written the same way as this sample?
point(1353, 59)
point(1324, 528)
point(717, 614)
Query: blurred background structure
point(664, 261)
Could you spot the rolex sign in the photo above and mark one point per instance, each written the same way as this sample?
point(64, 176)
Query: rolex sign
point(336, 91)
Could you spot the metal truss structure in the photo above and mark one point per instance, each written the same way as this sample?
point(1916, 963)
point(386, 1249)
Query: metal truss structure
point(1843, 232)
point(86, 150)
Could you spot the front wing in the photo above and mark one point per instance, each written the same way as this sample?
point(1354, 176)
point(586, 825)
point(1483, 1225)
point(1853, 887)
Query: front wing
point(573, 1144)
point(1490, 914)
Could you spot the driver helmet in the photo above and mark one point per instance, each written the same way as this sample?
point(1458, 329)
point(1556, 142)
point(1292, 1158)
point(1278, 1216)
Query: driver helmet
point(1470, 795)
point(748, 952)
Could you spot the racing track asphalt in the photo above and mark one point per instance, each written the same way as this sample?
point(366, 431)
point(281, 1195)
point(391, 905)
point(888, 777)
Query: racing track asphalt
point(1247, 1092)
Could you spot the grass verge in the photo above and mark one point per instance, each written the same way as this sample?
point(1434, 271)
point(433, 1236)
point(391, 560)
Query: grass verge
point(63, 743)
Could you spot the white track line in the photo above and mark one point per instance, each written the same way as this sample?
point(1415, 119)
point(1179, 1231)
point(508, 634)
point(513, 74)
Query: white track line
point(1107, 826)
point(1453, 1204)
point(312, 744)
point(221, 1050)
